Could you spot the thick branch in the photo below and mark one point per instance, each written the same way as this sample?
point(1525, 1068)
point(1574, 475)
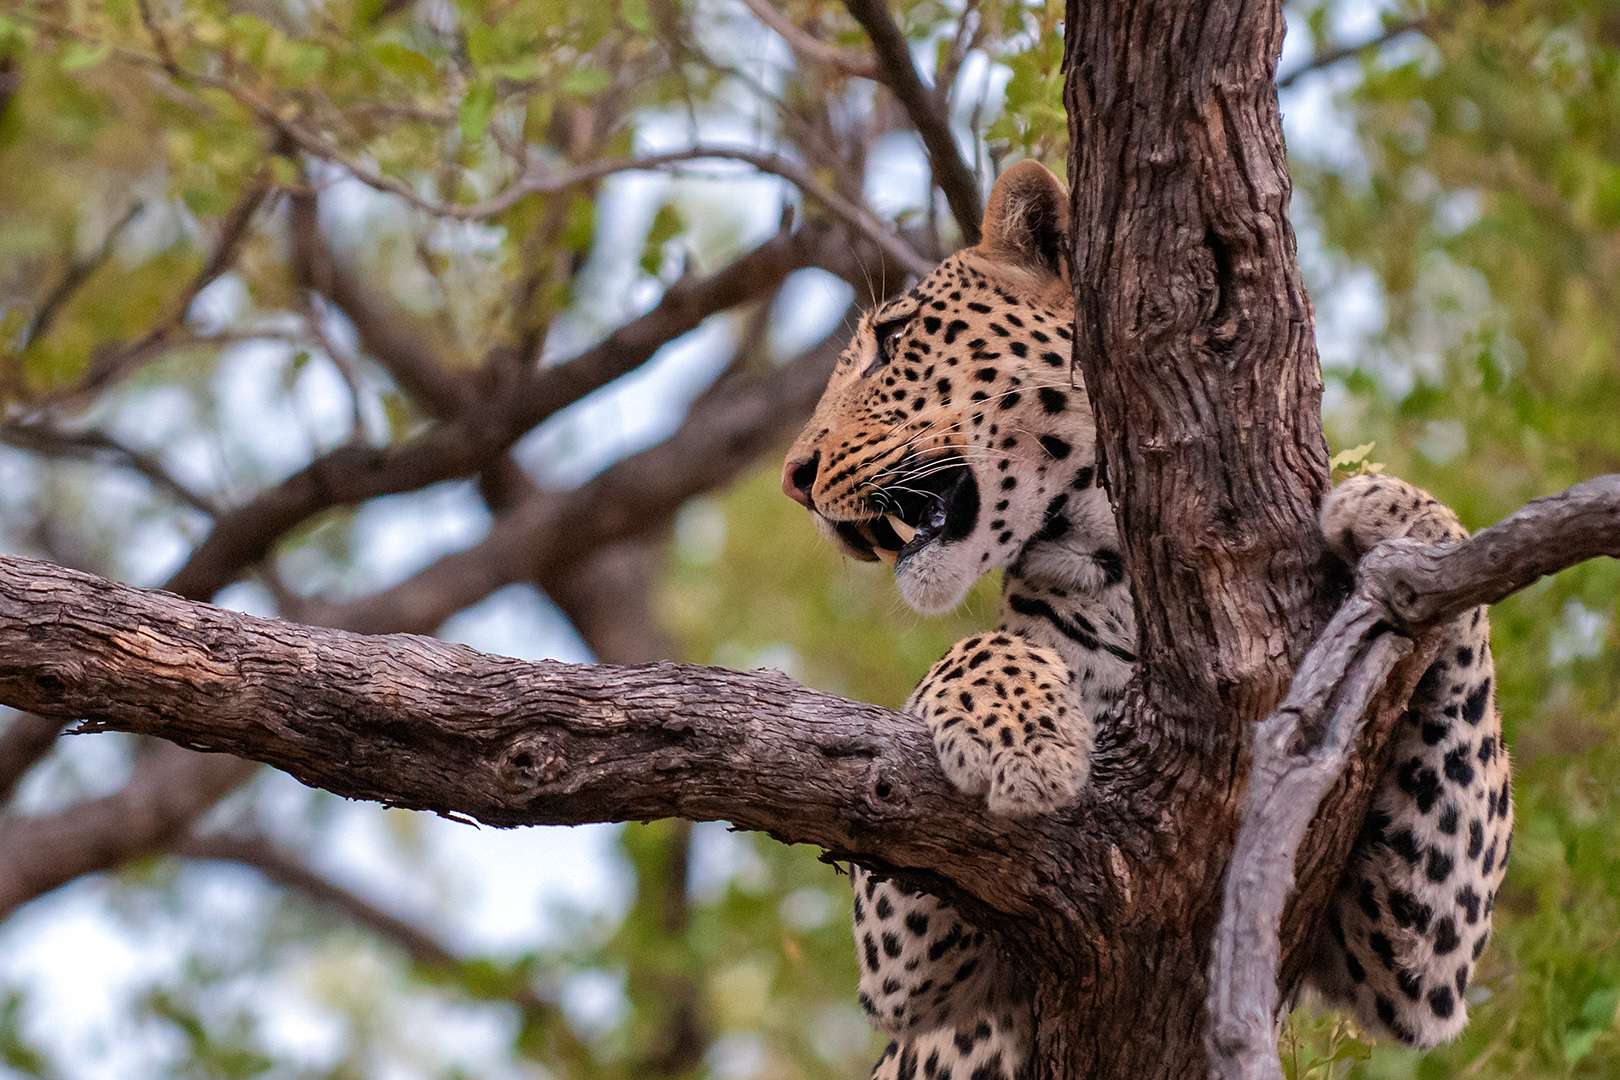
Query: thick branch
point(419, 723)
point(545, 541)
point(899, 74)
point(1301, 750)
point(722, 435)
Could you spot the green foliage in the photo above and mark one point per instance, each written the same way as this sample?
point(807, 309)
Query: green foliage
point(1482, 207)
point(1485, 213)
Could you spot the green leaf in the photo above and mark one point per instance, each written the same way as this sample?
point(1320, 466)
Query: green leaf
point(477, 109)
point(667, 224)
point(1601, 1006)
point(1579, 1043)
point(635, 15)
point(403, 61)
point(78, 55)
point(586, 80)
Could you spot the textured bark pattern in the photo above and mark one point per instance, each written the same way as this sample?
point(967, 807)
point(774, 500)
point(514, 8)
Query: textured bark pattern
point(414, 722)
point(1194, 335)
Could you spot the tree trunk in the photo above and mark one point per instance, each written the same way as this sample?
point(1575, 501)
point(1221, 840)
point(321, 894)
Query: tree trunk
point(1195, 337)
point(1195, 340)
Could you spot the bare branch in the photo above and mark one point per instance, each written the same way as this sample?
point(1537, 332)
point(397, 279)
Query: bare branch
point(25, 740)
point(386, 332)
point(1329, 57)
point(170, 789)
point(1301, 749)
point(419, 723)
point(41, 438)
point(541, 535)
point(844, 61)
point(78, 273)
point(479, 434)
point(951, 173)
point(427, 951)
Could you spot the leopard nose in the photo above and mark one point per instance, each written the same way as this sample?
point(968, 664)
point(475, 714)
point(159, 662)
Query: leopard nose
point(797, 478)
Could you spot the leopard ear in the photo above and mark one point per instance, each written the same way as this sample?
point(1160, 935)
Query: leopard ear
point(1027, 220)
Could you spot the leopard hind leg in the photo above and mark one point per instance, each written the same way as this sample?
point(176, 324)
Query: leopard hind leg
point(1412, 914)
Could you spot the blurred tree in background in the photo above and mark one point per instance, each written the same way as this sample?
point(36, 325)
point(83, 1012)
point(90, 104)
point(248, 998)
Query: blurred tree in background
point(487, 319)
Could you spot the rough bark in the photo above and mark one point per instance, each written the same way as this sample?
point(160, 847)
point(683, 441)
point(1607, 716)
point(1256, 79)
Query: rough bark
point(1301, 750)
point(1194, 334)
point(415, 722)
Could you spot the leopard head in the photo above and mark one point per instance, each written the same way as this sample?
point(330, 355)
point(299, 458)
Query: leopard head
point(954, 426)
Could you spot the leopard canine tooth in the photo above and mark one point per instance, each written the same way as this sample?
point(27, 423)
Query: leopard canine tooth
point(901, 529)
point(886, 555)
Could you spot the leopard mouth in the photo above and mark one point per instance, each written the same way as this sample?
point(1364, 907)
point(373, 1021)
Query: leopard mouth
point(923, 502)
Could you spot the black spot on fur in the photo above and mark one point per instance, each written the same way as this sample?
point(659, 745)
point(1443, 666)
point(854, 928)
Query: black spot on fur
point(1458, 769)
point(1054, 445)
point(1420, 782)
point(1445, 936)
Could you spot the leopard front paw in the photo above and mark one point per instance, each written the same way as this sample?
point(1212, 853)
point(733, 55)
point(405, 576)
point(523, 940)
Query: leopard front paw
point(1006, 724)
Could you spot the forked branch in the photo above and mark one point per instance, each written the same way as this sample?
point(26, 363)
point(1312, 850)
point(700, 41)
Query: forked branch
point(1403, 589)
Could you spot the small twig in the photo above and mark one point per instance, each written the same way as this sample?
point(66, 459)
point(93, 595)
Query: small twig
point(315, 319)
point(78, 272)
point(41, 438)
point(1329, 57)
point(851, 62)
point(1403, 589)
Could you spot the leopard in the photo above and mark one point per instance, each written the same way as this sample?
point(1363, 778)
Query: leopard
point(956, 438)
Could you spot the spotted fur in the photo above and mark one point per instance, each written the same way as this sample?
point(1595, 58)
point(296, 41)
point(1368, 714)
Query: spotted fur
point(955, 438)
point(1413, 913)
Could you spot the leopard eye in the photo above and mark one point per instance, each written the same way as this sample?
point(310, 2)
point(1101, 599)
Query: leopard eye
point(888, 342)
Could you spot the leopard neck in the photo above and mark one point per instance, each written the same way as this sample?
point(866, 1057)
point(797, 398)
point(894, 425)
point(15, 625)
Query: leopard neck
point(1067, 592)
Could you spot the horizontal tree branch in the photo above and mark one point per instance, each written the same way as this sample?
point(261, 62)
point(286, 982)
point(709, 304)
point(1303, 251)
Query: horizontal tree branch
point(419, 723)
point(545, 542)
point(1403, 589)
point(724, 434)
point(43, 438)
